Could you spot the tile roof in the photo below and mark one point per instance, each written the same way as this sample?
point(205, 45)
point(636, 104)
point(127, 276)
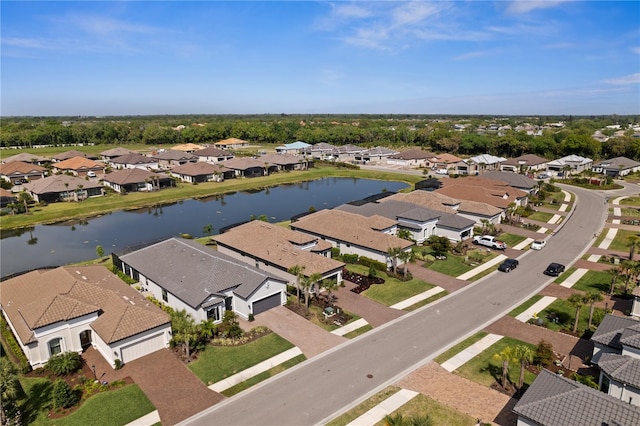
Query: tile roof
point(78, 163)
point(349, 149)
point(7, 194)
point(22, 168)
point(116, 152)
point(26, 158)
point(350, 228)
point(610, 330)
point(393, 209)
point(446, 158)
point(412, 154)
point(175, 155)
point(279, 246)
point(198, 169)
point(73, 153)
point(133, 158)
point(618, 163)
point(624, 369)
point(455, 221)
point(212, 151)
point(570, 159)
point(426, 199)
point(129, 176)
point(320, 146)
point(495, 193)
point(193, 272)
point(379, 150)
point(486, 159)
point(243, 163)
point(281, 159)
point(527, 159)
point(513, 179)
point(45, 297)
point(56, 183)
point(555, 400)
point(478, 208)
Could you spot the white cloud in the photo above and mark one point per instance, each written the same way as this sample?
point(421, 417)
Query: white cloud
point(625, 80)
point(30, 43)
point(520, 7)
point(350, 11)
point(414, 13)
point(470, 55)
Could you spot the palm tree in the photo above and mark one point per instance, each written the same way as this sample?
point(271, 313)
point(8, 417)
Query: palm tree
point(184, 329)
point(577, 301)
point(66, 185)
point(404, 257)
point(9, 387)
point(308, 284)
point(634, 241)
point(628, 267)
point(505, 356)
point(393, 255)
point(330, 285)
point(298, 272)
point(615, 273)
point(525, 355)
point(591, 298)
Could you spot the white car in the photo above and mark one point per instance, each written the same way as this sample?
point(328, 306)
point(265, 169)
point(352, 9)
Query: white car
point(538, 245)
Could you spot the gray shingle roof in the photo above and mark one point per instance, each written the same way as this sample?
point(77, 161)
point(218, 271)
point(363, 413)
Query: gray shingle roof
point(513, 179)
point(610, 330)
point(193, 272)
point(555, 400)
point(175, 155)
point(622, 368)
point(392, 209)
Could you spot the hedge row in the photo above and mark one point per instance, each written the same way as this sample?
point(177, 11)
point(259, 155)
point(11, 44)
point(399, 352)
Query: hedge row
point(14, 347)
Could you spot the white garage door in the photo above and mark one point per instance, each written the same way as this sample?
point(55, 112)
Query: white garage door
point(142, 348)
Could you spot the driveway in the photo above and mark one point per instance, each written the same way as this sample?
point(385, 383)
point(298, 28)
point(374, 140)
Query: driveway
point(373, 312)
point(308, 337)
point(175, 392)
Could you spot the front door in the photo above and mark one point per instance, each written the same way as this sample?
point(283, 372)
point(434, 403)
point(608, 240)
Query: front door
point(85, 339)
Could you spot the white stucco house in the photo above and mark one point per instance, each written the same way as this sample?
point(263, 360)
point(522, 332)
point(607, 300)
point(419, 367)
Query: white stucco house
point(187, 275)
point(74, 307)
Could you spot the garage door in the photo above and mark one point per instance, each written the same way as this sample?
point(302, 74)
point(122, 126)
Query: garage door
point(142, 348)
point(266, 303)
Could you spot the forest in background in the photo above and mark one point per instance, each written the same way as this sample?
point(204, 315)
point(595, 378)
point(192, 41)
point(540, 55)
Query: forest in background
point(433, 133)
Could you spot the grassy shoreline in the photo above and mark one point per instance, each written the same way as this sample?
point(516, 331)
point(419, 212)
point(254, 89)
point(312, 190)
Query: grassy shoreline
point(58, 212)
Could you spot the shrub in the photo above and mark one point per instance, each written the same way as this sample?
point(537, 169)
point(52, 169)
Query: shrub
point(13, 345)
point(64, 363)
point(63, 395)
point(365, 261)
point(117, 363)
point(335, 252)
point(544, 353)
point(350, 258)
point(251, 318)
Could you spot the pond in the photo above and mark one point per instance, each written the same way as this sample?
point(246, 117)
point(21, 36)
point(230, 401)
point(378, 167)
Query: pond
point(76, 241)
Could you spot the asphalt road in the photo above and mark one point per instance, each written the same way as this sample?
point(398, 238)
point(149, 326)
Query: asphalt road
point(316, 391)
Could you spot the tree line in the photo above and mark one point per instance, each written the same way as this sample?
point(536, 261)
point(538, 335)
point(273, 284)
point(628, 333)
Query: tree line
point(437, 134)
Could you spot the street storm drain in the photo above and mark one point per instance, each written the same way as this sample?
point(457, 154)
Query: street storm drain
point(369, 376)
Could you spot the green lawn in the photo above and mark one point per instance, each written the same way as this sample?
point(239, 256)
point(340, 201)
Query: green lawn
point(594, 280)
point(263, 376)
point(485, 370)
point(631, 201)
point(563, 276)
point(511, 239)
point(526, 305)
point(425, 302)
point(393, 290)
point(363, 407)
point(359, 331)
point(219, 362)
point(114, 407)
point(456, 349)
point(621, 240)
point(565, 314)
point(440, 414)
point(56, 212)
point(541, 216)
point(455, 265)
point(630, 212)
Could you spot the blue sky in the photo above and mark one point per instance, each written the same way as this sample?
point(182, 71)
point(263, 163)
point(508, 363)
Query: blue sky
point(215, 57)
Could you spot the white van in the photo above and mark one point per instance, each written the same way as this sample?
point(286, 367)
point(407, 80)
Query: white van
point(91, 174)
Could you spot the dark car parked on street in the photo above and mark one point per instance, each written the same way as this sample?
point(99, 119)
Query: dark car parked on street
point(508, 265)
point(554, 269)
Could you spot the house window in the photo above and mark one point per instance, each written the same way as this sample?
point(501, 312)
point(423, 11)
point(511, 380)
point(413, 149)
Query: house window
point(55, 346)
point(606, 382)
point(165, 297)
point(214, 314)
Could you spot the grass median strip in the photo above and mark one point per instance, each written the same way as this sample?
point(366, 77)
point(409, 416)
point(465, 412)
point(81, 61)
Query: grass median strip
point(526, 305)
point(263, 376)
point(456, 349)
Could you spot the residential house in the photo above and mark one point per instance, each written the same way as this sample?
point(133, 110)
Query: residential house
point(292, 148)
point(444, 161)
point(620, 377)
point(479, 164)
point(188, 147)
point(112, 153)
point(25, 157)
point(246, 166)
point(635, 308)
point(213, 155)
point(473, 188)
point(347, 152)
point(18, 172)
point(6, 198)
point(79, 166)
point(378, 154)
point(410, 158)
point(168, 159)
point(528, 163)
point(134, 161)
point(617, 335)
point(616, 167)
point(71, 308)
point(276, 249)
point(201, 172)
point(231, 143)
point(62, 188)
point(555, 400)
point(134, 180)
point(571, 164)
point(421, 222)
point(187, 275)
point(321, 151)
point(71, 154)
point(371, 237)
point(284, 162)
point(514, 180)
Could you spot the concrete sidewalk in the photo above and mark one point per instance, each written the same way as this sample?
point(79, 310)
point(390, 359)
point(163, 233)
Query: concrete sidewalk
point(523, 244)
point(385, 408)
point(574, 278)
point(475, 271)
point(150, 419)
point(540, 305)
point(255, 370)
point(469, 353)
point(418, 298)
point(608, 239)
point(350, 327)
